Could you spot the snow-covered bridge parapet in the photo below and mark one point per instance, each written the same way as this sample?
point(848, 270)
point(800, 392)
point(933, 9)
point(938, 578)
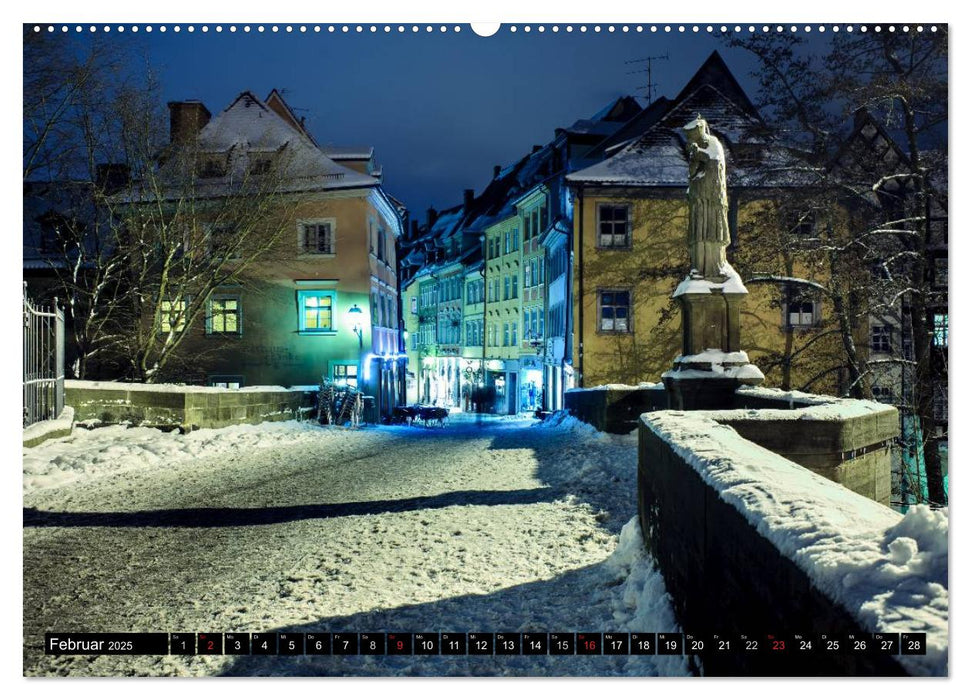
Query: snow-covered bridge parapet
point(185, 407)
point(615, 408)
point(749, 542)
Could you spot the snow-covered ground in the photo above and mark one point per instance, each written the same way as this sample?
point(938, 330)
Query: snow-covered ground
point(504, 526)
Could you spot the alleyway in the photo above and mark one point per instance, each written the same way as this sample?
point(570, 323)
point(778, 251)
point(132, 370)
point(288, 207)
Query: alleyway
point(505, 526)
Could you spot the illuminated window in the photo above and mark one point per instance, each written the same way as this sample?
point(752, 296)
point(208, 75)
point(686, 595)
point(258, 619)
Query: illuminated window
point(172, 315)
point(345, 374)
point(316, 311)
point(615, 311)
point(224, 315)
point(940, 330)
point(613, 226)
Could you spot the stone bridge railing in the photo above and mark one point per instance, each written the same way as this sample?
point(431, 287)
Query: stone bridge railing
point(750, 542)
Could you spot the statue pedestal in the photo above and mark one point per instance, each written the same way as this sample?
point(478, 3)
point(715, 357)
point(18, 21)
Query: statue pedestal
point(711, 365)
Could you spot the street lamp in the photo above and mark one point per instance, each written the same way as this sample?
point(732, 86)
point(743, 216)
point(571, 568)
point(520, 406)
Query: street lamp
point(355, 317)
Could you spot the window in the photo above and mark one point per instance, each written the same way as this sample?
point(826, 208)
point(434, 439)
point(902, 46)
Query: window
point(515, 286)
point(172, 315)
point(527, 227)
point(613, 226)
point(345, 374)
point(881, 338)
point(317, 238)
point(222, 241)
point(515, 334)
point(940, 272)
point(515, 239)
point(505, 334)
point(414, 305)
point(940, 330)
point(505, 288)
point(800, 314)
point(508, 239)
point(260, 166)
point(224, 315)
point(802, 224)
point(939, 404)
point(907, 346)
point(382, 244)
point(615, 311)
point(211, 167)
point(528, 274)
point(882, 394)
point(316, 311)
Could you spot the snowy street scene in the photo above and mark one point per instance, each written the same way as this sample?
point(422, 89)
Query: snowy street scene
point(504, 525)
point(533, 350)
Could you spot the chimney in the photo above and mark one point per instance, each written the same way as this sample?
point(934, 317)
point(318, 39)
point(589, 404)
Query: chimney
point(536, 148)
point(468, 199)
point(414, 229)
point(496, 169)
point(186, 119)
point(432, 215)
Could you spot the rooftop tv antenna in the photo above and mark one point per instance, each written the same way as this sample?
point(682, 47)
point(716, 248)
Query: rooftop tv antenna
point(651, 87)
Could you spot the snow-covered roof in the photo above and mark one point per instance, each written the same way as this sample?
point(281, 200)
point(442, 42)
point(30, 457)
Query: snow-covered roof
point(249, 125)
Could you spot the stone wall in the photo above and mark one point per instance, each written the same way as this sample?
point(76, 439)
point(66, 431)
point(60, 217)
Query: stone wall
point(725, 574)
point(184, 407)
point(614, 408)
point(844, 440)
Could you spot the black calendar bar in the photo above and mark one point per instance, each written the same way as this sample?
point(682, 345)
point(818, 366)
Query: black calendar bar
point(74, 643)
point(484, 643)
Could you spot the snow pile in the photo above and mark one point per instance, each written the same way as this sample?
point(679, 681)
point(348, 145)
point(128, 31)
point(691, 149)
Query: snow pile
point(90, 454)
point(803, 406)
point(64, 421)
point(566, 422)
point(732, 284)
point(887, 570)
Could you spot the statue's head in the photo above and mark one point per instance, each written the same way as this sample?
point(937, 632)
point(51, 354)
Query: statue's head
point(696, 131)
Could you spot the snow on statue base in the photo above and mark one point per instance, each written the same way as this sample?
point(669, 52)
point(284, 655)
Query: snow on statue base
point(711, 365)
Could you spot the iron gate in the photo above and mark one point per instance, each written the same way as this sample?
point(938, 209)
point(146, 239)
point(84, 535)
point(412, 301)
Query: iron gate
point(43, 362)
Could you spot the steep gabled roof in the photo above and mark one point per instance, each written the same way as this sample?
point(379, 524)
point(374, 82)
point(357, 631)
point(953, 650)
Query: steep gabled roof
point(249, 124)
point(276, 102)
point(714, 72)
point(657, 157)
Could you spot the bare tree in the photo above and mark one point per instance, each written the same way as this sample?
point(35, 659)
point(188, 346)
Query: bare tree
point(893, 87)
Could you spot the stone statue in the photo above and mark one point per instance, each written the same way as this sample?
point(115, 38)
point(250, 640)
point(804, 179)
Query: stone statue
point(708, 232)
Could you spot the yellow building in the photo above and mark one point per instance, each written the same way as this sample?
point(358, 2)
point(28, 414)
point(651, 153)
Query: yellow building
point(503, 309)
point(630, 248)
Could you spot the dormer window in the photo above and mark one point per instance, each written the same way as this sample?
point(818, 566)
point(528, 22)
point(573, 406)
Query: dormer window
point(260, 166)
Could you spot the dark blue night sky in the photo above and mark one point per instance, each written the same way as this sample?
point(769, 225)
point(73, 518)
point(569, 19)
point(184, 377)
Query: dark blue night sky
point(440, 109)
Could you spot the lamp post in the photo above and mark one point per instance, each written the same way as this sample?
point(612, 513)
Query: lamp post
point(355, 316)
point(485, 306)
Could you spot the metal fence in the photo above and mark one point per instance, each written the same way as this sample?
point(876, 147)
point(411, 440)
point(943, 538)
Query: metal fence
point(43, 362)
